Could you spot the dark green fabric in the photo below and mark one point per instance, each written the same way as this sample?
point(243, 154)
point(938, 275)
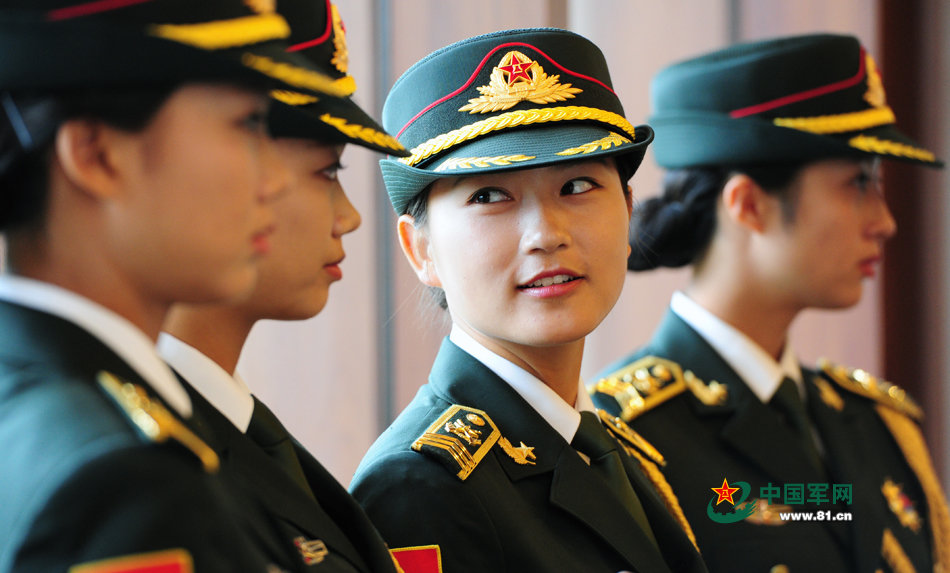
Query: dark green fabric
point(45, 47)
point(788, 403)
point(277, 510)
point(272, 437)
point(79, 483)
point(718, 109)
point(311, 21)
point(744, 440)
point(593, 440)
point(425, 103)
point(550, 516)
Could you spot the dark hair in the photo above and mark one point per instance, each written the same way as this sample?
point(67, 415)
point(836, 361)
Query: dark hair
point(418, 209)
point(28, 125)
point(675, 228)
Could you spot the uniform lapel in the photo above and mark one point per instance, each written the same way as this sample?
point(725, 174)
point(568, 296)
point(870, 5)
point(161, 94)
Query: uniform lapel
point(347, 514)
point(847, 459)
point(262, 479)
point(749, 427)
point(461, 379)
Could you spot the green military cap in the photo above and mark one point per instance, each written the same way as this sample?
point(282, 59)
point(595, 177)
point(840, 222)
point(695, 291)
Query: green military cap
point(785, 100)
point(317, 33)
point(64, 44)
point(516, 99)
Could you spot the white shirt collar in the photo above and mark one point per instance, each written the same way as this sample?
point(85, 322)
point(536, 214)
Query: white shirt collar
point(120, 335)
point(228, 393)
point(563, 417)
point(753, 364)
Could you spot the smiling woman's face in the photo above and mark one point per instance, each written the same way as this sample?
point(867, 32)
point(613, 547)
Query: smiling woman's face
point(534, 257)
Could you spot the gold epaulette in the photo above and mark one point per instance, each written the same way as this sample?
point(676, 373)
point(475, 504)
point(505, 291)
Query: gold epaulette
point(650, 381)
point(153, 420)
point(864, 384)
point(459, 438)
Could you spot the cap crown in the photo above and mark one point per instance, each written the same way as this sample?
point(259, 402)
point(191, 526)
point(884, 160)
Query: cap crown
point(488, 84)
point(788, 99)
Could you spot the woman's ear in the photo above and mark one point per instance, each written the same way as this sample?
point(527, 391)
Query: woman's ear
point(415, 245)
point(746, 203)
point(84, 151)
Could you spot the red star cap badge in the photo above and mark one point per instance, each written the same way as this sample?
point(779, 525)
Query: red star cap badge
point(725, 492)
point(517, 69)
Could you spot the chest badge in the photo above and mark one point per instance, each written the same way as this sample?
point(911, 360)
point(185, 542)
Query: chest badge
point(901, 505)
point(313, 551)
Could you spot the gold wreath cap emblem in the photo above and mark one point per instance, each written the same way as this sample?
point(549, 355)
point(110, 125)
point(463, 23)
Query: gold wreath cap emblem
point(515, 79)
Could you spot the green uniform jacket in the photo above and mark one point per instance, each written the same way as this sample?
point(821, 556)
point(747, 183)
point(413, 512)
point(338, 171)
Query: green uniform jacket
point(78, 482)
point(282, 515)
point(741, 439)
point(505, 516)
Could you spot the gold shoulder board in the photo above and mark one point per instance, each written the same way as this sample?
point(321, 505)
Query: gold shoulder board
point(650, 381)
point(153, 420)
point(459, 438)
point(864, 384)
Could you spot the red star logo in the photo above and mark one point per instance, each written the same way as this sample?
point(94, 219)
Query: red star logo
point(517, 70)
point(725, 492)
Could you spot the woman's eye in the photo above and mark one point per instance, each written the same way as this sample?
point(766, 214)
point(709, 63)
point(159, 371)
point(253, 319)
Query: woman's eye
point(867, 181)
point(488, 196)
point(332, 172)
point(577, 186)
point(256, 121)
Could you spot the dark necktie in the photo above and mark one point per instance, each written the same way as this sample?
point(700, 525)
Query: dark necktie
point(593, 440)
point(788, 402)
point(267, 431)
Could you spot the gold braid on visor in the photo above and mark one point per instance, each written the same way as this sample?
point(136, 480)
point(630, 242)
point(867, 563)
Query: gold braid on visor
point(515, 119)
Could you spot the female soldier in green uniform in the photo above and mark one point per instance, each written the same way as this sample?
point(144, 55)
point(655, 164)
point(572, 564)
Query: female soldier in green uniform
point(515, 206)
point(307, 517)
point(135, 172)
point(774, 198)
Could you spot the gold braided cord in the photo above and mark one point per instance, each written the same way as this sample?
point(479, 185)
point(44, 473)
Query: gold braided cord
point(346, 86)
point(894, 554)
point(471, 162)
point(875, 145)
point(515, 119)
point(293, 75)
point(839, 123)
point(225, 33)
point(367, 134)
point(911, 442)
point(603, 144)
point(293, 98)
point(665, 490)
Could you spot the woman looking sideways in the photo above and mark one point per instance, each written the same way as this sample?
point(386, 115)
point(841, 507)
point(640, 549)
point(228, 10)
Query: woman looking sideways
point(514, 208)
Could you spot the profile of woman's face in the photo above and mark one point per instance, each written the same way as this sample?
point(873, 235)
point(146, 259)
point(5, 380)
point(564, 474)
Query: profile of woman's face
point(531, 257)
point(196, 210)
point(836, 240)
point(307, 245)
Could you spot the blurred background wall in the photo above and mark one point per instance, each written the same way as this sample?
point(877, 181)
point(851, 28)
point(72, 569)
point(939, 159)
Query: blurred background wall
point(338, 379)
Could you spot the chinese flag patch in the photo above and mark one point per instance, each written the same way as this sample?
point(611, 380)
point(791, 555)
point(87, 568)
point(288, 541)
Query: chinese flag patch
point(170, 561)
point(423, 559)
